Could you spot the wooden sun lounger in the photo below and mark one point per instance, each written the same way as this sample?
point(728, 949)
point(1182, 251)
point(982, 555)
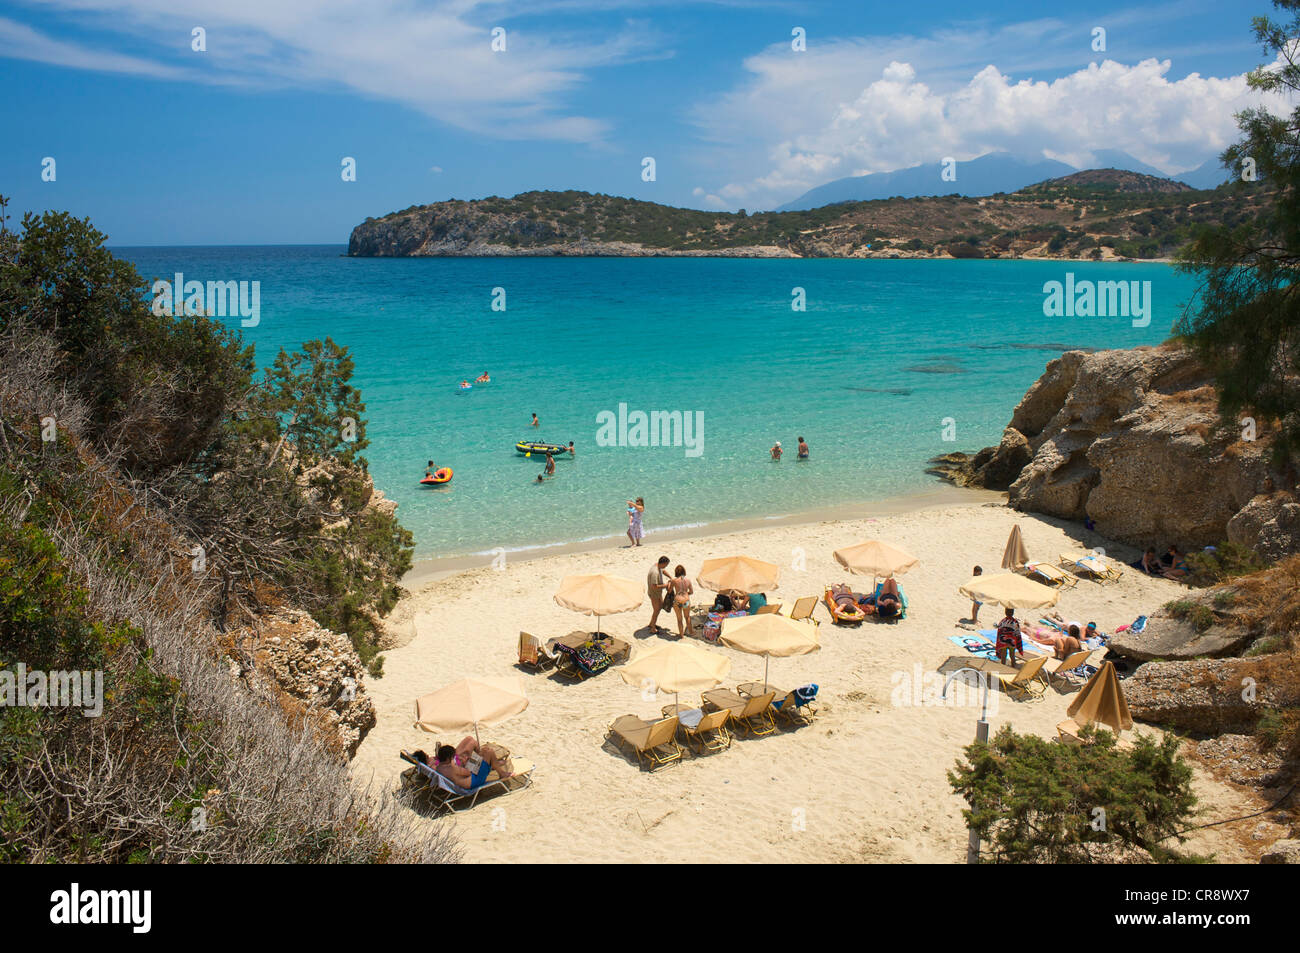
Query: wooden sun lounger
point(751, 715)
point(532, 654)
point(784, 704)
point(451, 794)
point(801, 610)
point(709, 734)
point(1025, 683)
point(1058, 667)
point(1050, 575)
point(1091, 565)
point(653, 741)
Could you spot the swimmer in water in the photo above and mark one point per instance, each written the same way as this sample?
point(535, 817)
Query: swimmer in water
point(803, 449)
point(535, 422)
point(572, 453)
point(540, 478)
point(428, 471)
point(550, 464)
point(776, 451)
point(483, 379)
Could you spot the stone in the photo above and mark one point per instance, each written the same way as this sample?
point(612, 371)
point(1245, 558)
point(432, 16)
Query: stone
point(1177, 640)
point(1285, 851)
point(1280, 536)
point(1202, 696)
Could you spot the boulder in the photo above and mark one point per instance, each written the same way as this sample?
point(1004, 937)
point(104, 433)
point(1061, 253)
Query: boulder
point(1004, 464)
point(1246, 523)
point(1285, 851)
point(1203, 696)
point(1280, 536)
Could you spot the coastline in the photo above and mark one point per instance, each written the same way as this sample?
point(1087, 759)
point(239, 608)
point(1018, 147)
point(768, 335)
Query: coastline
point(431, 569)
point(879, 749)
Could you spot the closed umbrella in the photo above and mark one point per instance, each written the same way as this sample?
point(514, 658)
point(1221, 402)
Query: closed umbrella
point(743, 573)
point(676, 667)
point(1015, 555)
point(471, 702)
point(599, 595)
point(769, 635)
point(1011, 590)
point(1101, 701)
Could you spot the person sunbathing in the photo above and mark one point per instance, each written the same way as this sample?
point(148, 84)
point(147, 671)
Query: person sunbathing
point(1175, 566)
point(1065, 645)
point(453, 763)
point(889, 602)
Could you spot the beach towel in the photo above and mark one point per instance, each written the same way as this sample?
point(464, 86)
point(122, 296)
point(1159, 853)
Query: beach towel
point(980, 647)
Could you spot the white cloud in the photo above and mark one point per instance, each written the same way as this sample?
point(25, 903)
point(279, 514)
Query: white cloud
point(855, 108)
point(436, 58)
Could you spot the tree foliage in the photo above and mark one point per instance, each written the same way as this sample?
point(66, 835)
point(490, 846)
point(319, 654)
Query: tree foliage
point(1244, 321)
point(1036, 801)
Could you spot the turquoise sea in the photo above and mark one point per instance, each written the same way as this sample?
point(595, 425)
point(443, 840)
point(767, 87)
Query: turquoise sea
point(884, 352)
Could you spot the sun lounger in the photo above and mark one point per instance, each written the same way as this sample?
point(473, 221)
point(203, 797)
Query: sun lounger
point(451, 795)
point(848, 614)
point(801, 610)
point(1049, 575)
point(654, 742)
point(798, 707)
point(1091, 566)
point(902, 599)
point(1025, 683)
point(1057, 668)
point(751, 715)
point(708, 733)
point(575, 659)
point(532, 654)
point(771, 607)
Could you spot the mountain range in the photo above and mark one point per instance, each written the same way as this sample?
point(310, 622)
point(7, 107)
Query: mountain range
point(987, 175)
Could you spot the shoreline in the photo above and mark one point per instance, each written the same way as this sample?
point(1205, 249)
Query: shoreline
point(428, 570)
point(880, 747)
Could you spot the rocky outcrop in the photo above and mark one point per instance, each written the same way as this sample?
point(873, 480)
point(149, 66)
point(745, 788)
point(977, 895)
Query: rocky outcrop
point(1282, 852)
point(319, 670)
point(1205, 696)
point(1179, 639)
point(1132, 441)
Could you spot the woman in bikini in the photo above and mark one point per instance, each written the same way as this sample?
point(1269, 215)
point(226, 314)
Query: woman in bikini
point(682, 592)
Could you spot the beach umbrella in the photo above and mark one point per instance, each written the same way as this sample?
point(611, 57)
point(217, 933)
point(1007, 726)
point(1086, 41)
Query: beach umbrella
point(1010, 589)
point(599, 595)
point(1101, 701)
point(676, 667)
point(769, 635)
point(876, 558)
point(743, 573)
point(1015, 555)
point(469, 703)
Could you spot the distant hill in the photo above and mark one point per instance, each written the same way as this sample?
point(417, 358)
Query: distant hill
point(1210, 174)
point(1097, 214)
point(1112, 180)
point(987, 175)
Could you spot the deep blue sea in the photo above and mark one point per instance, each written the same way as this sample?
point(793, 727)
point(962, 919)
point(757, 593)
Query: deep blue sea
point(883, 354)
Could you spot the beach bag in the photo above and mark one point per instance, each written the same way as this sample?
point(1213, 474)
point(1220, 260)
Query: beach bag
point(587, 657)
point(670, 596)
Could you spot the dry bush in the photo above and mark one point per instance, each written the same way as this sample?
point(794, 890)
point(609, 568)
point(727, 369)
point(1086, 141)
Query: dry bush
point(126, 785)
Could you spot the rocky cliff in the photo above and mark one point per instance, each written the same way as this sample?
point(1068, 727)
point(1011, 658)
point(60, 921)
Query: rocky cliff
point(1132, 440)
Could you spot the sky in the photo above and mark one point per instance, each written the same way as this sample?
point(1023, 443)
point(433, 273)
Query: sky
point(243, 142)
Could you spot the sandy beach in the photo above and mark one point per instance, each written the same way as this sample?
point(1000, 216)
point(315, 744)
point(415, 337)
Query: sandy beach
point(865, 782)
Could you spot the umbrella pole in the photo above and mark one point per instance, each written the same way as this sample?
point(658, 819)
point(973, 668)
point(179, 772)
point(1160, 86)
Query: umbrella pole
point(766, 659)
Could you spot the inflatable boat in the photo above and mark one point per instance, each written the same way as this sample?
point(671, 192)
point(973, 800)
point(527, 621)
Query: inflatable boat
point(440, 476)
point(528, 448)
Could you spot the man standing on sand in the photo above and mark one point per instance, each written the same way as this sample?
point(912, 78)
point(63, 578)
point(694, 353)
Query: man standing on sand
point(655, 584)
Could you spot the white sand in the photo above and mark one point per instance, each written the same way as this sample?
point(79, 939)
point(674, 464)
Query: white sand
point(865, 782)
